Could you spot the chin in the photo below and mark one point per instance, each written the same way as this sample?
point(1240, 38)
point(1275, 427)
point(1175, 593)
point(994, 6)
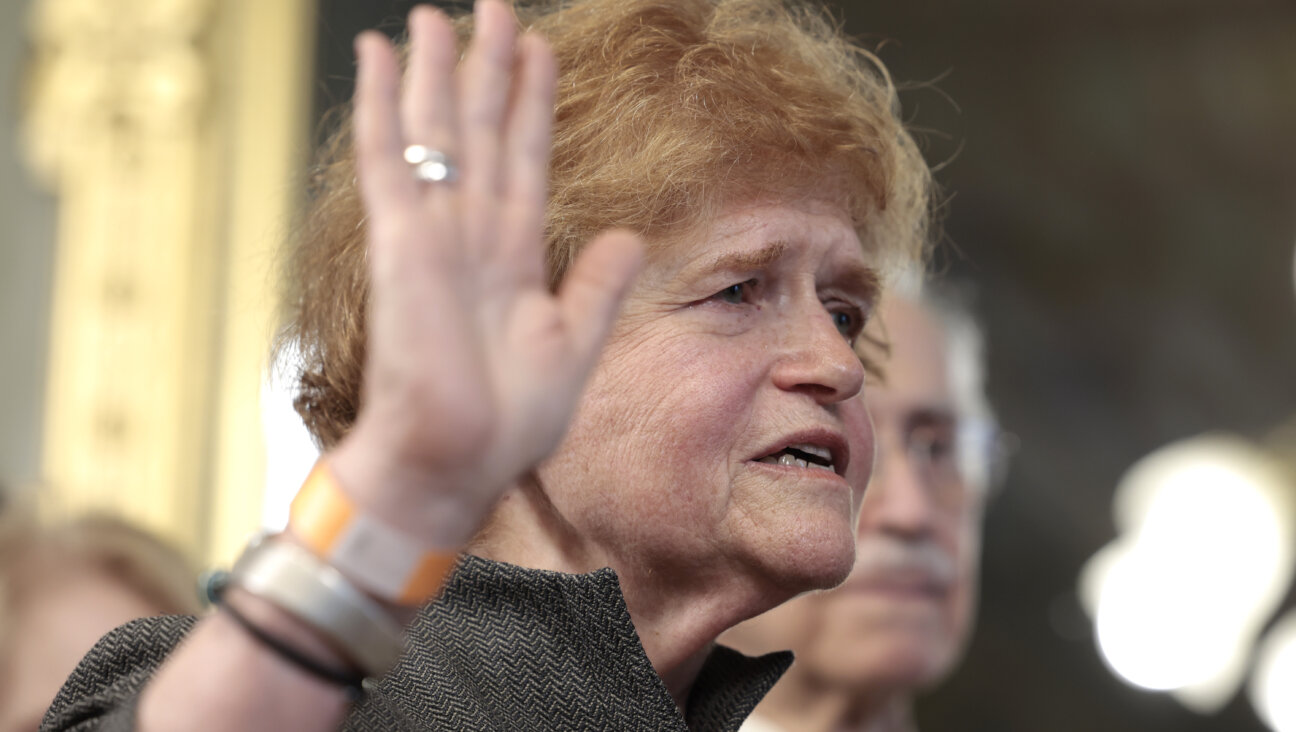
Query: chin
point(834, 569)
point(820, 562)
point(802, 543)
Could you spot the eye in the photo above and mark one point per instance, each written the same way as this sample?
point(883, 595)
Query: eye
point(931, 445)
point(735, 294)
point(849, 322)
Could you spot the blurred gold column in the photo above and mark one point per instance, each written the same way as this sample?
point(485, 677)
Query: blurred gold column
point(171, 131)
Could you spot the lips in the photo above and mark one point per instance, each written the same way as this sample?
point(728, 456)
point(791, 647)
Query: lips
point(812, 449)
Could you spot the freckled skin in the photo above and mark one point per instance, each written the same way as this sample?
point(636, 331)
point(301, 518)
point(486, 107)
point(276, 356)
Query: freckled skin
point(656, 475)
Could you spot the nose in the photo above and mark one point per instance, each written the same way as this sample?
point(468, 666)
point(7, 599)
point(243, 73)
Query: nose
point(817, 359)
point(898, 500)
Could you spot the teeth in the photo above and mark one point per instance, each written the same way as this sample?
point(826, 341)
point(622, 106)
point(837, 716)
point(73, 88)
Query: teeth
point(786, 459)
point(792, 461)
point(816, 450)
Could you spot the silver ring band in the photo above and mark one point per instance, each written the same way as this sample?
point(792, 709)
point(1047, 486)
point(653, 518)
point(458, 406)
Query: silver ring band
point(431, 166)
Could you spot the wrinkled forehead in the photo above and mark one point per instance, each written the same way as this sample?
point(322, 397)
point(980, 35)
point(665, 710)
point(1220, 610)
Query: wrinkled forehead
point(761, 231)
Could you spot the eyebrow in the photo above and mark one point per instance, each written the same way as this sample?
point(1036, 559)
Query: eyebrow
point(930, 415)
point(858, 277)
point(862, 278)
point(737, 261)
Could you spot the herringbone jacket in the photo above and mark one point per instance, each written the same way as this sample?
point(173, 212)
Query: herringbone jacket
point(504, 648)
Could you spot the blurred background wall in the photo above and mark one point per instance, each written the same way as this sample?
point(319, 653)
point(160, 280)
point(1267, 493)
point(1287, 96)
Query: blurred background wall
point(171, 137)
point(26, 251)
point(1122, 189)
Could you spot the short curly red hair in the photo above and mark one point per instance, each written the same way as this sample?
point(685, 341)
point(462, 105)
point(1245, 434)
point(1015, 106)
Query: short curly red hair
point(667, 111)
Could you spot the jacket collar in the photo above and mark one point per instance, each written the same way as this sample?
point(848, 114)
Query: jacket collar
point(529, 649)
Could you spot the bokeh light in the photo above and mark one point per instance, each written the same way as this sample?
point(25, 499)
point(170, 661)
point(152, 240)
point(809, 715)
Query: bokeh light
point(1273, 682)
point(1204, 556)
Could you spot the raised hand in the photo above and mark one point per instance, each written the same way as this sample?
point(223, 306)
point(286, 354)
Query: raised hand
point(474, 367)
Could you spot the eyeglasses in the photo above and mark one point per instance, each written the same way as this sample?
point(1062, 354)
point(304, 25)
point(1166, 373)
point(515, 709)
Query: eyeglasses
point(988, 453)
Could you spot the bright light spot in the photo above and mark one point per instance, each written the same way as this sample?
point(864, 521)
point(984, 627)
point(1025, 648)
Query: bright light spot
point(290, 452)
point(1204, 558)
point(1274, 680)
point(1158, 634)
point(1216, 520)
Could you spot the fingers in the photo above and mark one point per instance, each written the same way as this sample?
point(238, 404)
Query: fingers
point(428, 112)
point(384, 177)
point(492, 114)
point(484, 86)
point(591, 293)
point(530, 121)
point(526, 150)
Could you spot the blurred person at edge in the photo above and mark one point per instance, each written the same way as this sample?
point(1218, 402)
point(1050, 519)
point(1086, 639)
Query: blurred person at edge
point(900, 621)
point(65, 585)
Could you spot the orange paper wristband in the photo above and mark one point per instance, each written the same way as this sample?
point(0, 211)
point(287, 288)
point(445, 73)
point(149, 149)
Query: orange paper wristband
point(384, 561)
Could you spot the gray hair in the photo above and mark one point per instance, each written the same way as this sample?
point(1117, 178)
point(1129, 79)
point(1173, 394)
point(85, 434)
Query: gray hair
point(950, 302)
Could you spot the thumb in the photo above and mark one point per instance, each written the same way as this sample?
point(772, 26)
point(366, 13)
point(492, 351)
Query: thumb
point(591, 293)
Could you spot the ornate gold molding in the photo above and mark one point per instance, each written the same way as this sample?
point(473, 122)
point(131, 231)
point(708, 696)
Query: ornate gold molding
point(170, 131)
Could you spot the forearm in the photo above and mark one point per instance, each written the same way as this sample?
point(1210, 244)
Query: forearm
point(228, 673)
point(223, 678)
point(293, 634)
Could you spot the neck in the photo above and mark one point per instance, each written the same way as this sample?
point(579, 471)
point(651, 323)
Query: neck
point(802, 704)
point(677, 612)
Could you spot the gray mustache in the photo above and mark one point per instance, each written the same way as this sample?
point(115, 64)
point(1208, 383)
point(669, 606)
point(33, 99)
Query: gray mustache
point(883, 556)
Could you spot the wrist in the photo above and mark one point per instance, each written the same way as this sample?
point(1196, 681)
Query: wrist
point(415, 500)
point(301, 584)
point(286, 627)
point(381, 559)
point(402, 614)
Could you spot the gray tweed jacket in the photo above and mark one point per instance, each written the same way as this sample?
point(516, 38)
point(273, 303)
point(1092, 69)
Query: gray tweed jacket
point(504, 648)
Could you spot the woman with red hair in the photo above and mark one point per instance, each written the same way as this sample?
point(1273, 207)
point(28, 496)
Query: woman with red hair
point(625, 466)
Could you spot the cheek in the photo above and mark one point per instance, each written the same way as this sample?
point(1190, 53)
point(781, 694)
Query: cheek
point(963, 544)
point(663, 416)
point(694, 390)
point(859, 432)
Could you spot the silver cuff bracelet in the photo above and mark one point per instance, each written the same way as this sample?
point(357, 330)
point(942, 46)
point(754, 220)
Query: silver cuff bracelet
point(301, 584)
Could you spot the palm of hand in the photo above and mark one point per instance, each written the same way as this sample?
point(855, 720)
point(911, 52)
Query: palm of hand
point(474, 368)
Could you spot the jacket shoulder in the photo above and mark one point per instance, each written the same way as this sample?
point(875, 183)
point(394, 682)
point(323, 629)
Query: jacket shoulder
point(107, 682)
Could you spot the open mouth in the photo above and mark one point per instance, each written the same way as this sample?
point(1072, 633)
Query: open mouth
point(802, 456)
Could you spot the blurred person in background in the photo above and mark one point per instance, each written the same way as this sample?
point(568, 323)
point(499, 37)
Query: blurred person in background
point(64, 586)
point(900, 621)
